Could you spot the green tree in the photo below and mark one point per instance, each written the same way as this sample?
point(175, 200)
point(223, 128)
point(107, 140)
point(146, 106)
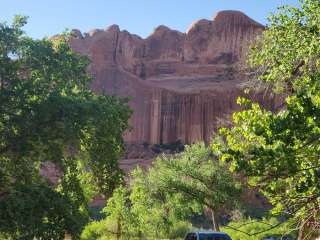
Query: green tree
point(118, 212)
point(38, 212)
point(199, 178)
point(157, 213)
point(141, 211)
point(48, 113)
point(280, 151)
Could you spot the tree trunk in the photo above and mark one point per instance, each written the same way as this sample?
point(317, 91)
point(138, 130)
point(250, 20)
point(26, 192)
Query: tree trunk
point(215, 225)
point(301, 234)
point(118, 236)
point(302, 231)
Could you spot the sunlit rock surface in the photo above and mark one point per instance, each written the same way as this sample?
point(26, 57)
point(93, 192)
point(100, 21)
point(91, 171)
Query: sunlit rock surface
point(180, 84)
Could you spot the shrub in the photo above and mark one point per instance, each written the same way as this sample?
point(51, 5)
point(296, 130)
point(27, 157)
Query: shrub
point(250, 226)
point(99, 230)
point(179, 230)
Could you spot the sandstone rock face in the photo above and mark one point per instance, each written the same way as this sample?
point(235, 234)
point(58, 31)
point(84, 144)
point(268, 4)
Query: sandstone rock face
point(180, 84)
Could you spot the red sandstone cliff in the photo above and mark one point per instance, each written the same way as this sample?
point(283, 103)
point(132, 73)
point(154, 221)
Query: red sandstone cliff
point(180, 83)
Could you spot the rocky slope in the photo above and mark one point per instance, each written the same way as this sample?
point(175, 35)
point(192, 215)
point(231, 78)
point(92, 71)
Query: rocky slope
point(180, 84)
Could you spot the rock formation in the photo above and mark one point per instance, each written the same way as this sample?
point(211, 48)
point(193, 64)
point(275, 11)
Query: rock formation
point(180, 84)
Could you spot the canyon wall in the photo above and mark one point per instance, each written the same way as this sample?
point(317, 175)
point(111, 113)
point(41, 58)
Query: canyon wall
point(180, 84)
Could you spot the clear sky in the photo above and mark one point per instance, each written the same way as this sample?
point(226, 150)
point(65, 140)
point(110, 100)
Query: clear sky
point(49, 17)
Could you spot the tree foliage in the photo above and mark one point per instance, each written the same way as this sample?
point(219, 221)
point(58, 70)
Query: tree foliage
point(159, 203)
point(199, 178)
point(39, 212)
point(242, 229)
point(139, 212)
point(280, 151)
point(157, 212)
point(48, 113)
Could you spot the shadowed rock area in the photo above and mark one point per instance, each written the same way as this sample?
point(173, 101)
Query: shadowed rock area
point(180, 83)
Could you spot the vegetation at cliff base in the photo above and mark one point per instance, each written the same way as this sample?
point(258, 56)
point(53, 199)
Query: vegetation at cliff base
point(160, 203)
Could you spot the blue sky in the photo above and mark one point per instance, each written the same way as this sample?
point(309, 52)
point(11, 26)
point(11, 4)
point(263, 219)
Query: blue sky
point(49, 17)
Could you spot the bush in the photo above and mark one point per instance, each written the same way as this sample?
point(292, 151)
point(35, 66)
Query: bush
point(99, 230)
point(179, 230)
point(106, 230)
point(283, 231)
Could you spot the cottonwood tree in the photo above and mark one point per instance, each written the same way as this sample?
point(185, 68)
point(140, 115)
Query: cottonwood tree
point(280, 151)
point(199, 178)
point(140, 211)
point(158, 203)
point(157, 212)
point(48, 113)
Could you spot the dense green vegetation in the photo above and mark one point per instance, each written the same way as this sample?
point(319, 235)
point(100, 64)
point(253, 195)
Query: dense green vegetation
point(160, 202)
point(260, 229)
point(280, 151)
point(199, 178)
point(48, 113)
